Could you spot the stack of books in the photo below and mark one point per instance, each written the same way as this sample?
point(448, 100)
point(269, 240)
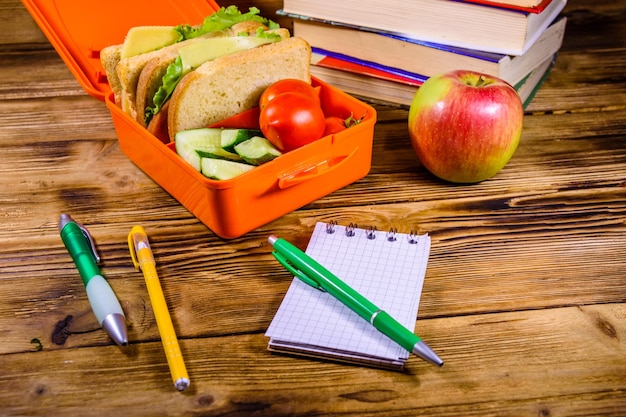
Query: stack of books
point(383, 50)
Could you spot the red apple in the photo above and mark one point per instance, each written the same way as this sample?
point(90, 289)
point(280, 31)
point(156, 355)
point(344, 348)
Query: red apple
point(465, 126)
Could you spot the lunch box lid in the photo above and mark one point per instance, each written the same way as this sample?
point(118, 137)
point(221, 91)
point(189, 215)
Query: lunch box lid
point(79, 29)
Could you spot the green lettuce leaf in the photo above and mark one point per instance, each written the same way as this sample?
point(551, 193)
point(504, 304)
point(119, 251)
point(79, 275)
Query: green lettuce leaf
point(222, 19)
point(170, 80)
point(263, 33)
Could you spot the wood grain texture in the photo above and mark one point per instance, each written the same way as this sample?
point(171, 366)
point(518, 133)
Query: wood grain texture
point(525, 292)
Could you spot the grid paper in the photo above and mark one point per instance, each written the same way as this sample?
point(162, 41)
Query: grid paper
point(389, 273)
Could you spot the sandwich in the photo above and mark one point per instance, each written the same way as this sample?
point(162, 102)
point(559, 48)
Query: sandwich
point(177, 78)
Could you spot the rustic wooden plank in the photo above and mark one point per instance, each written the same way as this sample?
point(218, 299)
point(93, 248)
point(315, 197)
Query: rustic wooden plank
point(594, 26)
point(584, 81)
point(546, 364)
point(512, 223)
point(460, 279)
point(524, 295)
point(18, 27)
point(51, 78)
point(585, 132)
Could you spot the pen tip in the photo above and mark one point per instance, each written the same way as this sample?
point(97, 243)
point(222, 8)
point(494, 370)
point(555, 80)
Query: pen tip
point(272, 239)
point(182, 384)
point(422, 350)
point(115, 326)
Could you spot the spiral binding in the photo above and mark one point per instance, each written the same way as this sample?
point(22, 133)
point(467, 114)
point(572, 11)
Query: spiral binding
point(371, 232)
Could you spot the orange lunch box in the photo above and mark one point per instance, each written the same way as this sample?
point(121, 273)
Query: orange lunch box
point(230, 208)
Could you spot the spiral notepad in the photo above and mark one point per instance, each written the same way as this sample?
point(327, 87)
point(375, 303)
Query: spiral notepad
point(388, 268)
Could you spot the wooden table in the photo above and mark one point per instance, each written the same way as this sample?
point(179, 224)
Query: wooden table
point(525, 292)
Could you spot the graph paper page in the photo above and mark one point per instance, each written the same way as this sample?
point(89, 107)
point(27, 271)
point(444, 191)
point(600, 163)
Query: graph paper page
point(388, 273)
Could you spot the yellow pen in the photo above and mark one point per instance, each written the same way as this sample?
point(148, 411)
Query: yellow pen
point(141, 255)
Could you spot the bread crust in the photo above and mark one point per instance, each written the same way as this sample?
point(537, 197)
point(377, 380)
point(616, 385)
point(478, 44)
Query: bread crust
point(234, 83)
point(109, 57)
point(150, 80)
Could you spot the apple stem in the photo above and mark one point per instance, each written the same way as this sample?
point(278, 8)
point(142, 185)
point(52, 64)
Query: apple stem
point(481, 81)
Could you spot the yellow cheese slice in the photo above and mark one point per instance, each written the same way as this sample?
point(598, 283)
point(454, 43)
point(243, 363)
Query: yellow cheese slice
point(196, 54)
point(142, 39)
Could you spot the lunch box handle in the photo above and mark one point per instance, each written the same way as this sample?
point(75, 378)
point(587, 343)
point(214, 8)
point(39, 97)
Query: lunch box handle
point(311, 171)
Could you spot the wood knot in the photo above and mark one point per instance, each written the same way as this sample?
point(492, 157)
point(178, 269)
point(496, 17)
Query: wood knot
point(61, 331)
point(205, 400)
point(372, 396)
point(40, 390)
point(606, 327)
point(543, 412)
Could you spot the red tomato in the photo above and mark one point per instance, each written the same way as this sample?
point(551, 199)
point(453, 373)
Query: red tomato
point(334, 124)
point(285, 86)
point(291, 120)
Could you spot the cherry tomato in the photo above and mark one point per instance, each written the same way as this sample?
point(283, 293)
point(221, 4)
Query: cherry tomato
point(336, 124)
point(291, 120)
point(286, 85)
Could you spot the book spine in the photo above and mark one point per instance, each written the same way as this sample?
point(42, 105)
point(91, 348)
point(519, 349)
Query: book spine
point(343, 62)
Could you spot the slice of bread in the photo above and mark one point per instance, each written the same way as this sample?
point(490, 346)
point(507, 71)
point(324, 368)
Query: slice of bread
point(110, 56)
point(150, 80)
point(127, 71)
point(234, 83)
point(153, 71)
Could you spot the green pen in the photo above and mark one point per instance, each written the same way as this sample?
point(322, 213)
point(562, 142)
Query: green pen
point(314, 274)
point(104, 303)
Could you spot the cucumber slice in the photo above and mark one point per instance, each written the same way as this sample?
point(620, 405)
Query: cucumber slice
point(232, 137)
point(221, 169)
point(219, 153)
point(257, 150)
point(187, 142)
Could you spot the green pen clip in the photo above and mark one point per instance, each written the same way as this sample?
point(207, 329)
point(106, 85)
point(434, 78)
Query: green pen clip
point(90, 241)
point(296, 272)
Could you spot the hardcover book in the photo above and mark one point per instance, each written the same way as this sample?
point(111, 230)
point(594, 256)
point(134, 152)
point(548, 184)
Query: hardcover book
point(428, 59)
point(389, 88)
point(468, 25)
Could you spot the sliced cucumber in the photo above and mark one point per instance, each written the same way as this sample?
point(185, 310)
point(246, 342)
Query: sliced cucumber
point(257, 150)
point(221, 169)
point(232, 137)
point(187, 142)
point(200, 146)
point(219, 153)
